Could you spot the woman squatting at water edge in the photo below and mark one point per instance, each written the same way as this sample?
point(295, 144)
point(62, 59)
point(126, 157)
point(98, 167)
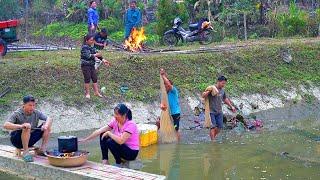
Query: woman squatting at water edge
point(120, 136)
point(90, 60)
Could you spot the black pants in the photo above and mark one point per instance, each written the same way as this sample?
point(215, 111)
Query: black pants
point(176, 121)
point(118, 151)
point(35, 136)
point(89, 73)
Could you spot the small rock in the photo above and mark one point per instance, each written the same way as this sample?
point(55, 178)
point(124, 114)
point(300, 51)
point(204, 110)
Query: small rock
point(284, 153)
point(286, 55)
point(254, 106)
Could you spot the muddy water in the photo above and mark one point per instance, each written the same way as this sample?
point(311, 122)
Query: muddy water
point(283, 149)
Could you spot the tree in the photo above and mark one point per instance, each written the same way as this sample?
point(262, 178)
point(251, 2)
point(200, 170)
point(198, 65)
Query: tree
point(10, 9)
point(241, 8)
point(166, 12)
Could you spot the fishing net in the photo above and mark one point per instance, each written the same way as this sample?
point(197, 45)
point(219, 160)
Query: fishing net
point(167, 133)
point(207, 121)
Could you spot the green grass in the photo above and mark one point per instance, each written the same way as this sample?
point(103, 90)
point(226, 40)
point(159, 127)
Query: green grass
point(260, 69)
point(75, 31)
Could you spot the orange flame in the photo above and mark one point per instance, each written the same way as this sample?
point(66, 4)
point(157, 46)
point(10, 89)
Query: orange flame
point(135, 40)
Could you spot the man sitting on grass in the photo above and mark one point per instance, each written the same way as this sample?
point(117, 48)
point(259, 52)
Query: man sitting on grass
point(25, 131)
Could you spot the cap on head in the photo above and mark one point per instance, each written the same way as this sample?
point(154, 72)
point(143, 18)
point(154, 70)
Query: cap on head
point(133, 1)
point(28, 98)
point(222, 78)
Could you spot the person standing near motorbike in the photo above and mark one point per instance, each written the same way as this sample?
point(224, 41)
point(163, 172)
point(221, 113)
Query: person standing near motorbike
point(132, 18)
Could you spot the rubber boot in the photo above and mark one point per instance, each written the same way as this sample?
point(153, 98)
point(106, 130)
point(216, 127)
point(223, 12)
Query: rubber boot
point(96, 90)
point(87, 90)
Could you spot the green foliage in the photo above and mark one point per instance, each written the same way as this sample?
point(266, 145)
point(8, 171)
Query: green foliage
point(257, 69)
point(76, 31)
point(114, 7)
point(112, 24)
point(167, 11)
point(318, 14)
point(240, 7)
point(117, 36)
point(293, 22)
point(39, 5)
point(9, 9)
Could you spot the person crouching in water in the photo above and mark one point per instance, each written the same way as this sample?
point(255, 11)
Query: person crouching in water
point(90, 57)
point(173, 99)
point(215, 104)
point(120, 136)
point(25, 131)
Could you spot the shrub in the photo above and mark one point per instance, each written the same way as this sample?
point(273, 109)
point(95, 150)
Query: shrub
point(167, 11)
point(293, 22)
point(76, 31)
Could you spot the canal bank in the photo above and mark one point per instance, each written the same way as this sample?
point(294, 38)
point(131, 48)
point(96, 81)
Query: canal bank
point(41, 169)
point(287, 147)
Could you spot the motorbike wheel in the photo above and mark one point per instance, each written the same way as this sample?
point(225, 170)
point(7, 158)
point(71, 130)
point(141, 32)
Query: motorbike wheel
point(206, 37)
point(3, 47)
point(170, 39)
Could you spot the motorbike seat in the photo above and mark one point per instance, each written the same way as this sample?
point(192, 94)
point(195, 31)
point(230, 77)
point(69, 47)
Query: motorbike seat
point(195, 25)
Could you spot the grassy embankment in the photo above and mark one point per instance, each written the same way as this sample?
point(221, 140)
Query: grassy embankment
point(258, 69)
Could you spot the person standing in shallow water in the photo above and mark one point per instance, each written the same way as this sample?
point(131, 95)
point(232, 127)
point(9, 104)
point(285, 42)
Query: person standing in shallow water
point(173, 99)
point(215, 103)
point(88, 58)
point(120, 136)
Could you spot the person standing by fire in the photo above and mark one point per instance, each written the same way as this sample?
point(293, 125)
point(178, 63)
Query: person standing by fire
point(132, 18)
point(93, 17)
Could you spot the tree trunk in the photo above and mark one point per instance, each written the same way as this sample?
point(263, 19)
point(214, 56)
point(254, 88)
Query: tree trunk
point(26, 3)
point(319, 30)
point(245, 26)
point(209, 10)
point(144, 14)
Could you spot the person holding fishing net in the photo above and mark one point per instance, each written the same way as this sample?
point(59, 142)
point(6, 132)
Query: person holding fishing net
point(25, 132)
point(214, 96)
point(172, 103)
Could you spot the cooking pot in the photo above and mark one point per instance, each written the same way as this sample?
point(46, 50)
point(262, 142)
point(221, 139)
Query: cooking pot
point(67, 144)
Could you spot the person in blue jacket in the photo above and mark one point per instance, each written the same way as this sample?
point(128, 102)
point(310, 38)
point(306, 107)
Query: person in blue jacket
point(93, 17)
point(132, 18)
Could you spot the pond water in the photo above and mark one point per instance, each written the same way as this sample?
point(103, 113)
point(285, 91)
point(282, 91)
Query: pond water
point(5, 176)
point(287, 150)
point(287, 147)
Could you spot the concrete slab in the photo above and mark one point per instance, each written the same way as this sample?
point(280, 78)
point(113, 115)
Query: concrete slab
point(41, 169)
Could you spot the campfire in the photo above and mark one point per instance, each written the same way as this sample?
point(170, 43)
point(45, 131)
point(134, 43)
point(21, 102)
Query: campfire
point(135, 41)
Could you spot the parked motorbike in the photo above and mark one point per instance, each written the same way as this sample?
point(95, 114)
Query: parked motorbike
point(201, 31)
